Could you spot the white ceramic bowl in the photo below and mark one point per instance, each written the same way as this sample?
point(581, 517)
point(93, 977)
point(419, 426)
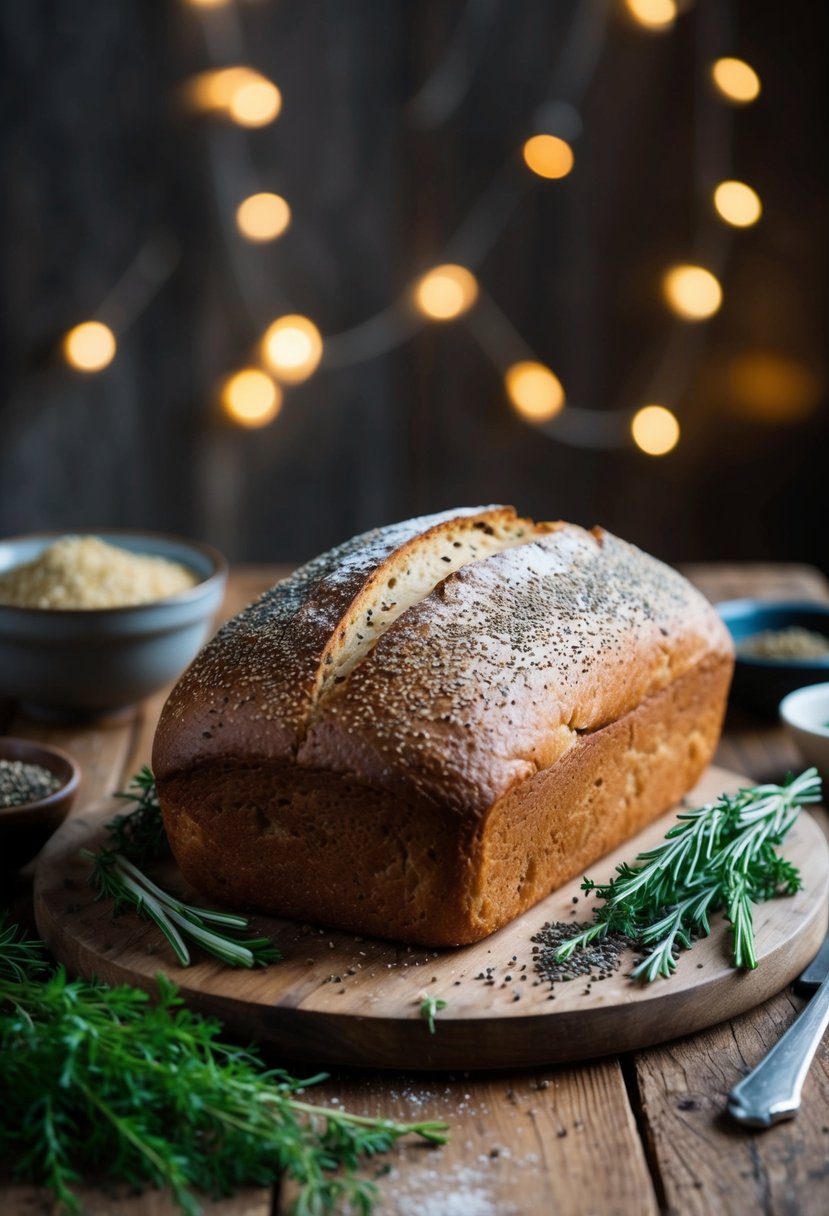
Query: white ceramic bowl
point(805, 714)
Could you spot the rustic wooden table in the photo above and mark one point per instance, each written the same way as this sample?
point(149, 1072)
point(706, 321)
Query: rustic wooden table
point(631, 1135)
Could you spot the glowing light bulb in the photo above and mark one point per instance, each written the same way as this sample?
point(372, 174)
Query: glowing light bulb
point(737, 204)
point(90, 347)
point(693, 292)
point(292, 348)
point(771, 386)
point(255, 103)
point(446, 292)
point(535, 391)
point(263, 217)
point(548, 156)
point(653, 14)
point(655, 430)
point(214, 90)
point(250, 398)
point(736, 80)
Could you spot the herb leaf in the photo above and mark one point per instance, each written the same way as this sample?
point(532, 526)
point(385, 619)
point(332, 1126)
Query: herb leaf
point(721, 856)
point(104, 1078)
point(429, 1006)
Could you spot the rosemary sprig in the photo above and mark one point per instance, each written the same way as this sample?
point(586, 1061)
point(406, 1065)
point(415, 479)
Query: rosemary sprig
point(138, 839)
point(429, 1006)
point(99, 1079)
point(118, 879)
point(718, 857)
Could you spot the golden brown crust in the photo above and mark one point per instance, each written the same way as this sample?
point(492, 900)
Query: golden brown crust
point(321, 846)
point(529, 714)
point(250, 690)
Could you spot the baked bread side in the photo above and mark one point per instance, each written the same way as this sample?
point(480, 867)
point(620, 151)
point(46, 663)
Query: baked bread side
point(535, 709)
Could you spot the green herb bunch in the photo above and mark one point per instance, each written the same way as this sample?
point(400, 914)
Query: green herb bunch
point(722, 856)
point(137, 840)
point(96, 1078)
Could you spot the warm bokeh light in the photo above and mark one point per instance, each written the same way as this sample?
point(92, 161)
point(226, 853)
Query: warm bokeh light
point(736, 80)
point(769, 386)
point(737, 204)
point(292, 347)
point(215, 90)
point(208, 3)
point(655, 430)
point(255, 103)
point(250, 398)
point(90, 347)
point(244, 95)
point(548, 156)
point(653, 14)
point(446, 292)
point(535, 391)
point(693, 292)
point(263, 217)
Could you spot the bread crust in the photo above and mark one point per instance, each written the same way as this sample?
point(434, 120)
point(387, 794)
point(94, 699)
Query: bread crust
point(533, 711)
point(320, 846)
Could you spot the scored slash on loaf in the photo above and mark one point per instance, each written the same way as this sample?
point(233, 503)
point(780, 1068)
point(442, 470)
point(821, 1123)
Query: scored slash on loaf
point(423, 732)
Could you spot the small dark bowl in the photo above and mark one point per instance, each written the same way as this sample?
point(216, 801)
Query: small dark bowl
point(25, 828)
point(761, 684)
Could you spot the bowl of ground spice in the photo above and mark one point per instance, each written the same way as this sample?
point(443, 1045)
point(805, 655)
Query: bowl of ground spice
point(37, 787)
point(780, 646)
point(92, 624)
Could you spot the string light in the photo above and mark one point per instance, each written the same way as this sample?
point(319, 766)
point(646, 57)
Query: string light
point(535, 391)
point(255, 104)
point(242, 94)
point(736, 80)
point(263, 217)
point(250, 398)
point(292, 347)
point(769, 386)
point(548, 155)
point(446, 292)
point(653, 14)
point(693, 292)
point(90, 346)
point(737, 204)
point(655, 430)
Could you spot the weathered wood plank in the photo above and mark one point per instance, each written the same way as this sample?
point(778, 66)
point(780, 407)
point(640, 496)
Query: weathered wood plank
point(708, 1166)
point(518, 1146)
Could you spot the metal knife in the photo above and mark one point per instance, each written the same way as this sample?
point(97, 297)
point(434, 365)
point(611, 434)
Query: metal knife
point(771, 1092)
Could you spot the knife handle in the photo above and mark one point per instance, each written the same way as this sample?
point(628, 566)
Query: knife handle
point(771, 1092)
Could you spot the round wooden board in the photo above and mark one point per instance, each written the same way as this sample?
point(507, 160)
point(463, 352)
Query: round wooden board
point(342, 1000)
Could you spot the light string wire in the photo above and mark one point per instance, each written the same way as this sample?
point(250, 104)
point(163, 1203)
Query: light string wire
point(232, 165)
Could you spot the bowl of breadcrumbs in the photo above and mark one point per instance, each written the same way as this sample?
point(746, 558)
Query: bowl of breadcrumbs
point(92, 624)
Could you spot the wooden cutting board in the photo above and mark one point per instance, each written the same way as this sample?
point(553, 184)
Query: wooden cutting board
point(342, 1000)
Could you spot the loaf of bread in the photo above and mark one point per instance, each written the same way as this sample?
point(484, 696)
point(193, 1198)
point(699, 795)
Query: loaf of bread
point(427, 730)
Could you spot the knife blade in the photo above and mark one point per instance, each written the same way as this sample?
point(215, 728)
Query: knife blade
point(810, 980)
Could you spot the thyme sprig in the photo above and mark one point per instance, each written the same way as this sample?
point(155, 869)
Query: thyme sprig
point(137, 840)
point(721, 856)
point(106, 1079)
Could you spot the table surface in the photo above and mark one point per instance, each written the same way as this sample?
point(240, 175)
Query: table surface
point(624, 1136)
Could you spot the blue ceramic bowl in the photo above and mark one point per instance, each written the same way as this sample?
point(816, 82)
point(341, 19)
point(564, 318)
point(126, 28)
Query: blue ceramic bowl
point(72, 665)
point(761, 684)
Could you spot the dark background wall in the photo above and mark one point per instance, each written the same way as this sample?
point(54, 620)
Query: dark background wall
point(102, 163)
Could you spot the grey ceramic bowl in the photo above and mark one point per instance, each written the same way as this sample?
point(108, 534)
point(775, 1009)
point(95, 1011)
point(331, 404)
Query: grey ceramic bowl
point(71, 665)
